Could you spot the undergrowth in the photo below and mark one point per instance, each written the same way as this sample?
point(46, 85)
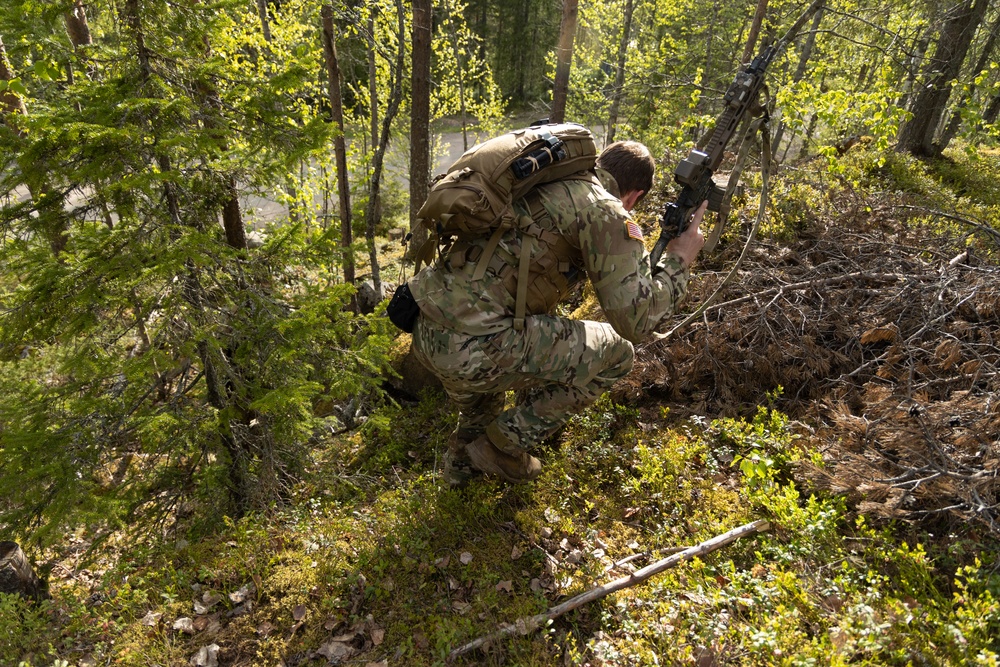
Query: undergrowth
point(374, 561)
point(424, 569)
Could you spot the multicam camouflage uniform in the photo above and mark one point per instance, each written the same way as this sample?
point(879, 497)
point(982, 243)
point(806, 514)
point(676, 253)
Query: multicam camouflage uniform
point(467, 334)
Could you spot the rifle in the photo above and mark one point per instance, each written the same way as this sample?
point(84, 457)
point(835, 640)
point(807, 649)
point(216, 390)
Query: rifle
point(694, 173)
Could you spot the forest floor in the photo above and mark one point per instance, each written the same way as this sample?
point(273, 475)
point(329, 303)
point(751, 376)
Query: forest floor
point(843, 387)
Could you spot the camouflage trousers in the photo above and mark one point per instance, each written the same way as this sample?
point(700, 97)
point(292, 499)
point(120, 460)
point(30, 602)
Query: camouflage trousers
point(558, 366)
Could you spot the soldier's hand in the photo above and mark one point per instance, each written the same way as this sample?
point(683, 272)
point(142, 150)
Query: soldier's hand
point(689, 244)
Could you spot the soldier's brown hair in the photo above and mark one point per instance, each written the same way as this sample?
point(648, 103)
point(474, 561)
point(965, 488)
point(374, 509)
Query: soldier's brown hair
point(631, 164)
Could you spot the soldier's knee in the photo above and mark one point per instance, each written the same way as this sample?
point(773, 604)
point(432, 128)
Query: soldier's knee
point(620, 358)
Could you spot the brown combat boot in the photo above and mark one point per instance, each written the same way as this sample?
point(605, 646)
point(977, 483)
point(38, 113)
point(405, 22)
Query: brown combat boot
point(458, 470)
point(490, 459)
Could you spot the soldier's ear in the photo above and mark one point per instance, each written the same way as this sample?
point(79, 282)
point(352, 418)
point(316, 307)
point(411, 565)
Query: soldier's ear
point(631, 198)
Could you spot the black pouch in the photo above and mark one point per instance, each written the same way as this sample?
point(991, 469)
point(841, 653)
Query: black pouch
point(403, 308)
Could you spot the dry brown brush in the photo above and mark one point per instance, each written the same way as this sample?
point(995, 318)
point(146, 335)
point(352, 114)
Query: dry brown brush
point(883, 334)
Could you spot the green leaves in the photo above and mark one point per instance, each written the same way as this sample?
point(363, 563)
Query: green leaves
point(15, 86)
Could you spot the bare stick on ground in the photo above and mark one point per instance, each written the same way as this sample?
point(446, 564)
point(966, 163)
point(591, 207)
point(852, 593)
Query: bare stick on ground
point(525, 625)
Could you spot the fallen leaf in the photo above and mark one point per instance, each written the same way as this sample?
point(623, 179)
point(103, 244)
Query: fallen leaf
point(574, 557)
point(461, 607)
point(453, 583)
point(185, 625)
point(151, 619)
point(564, 545)
point(516, 553)
point(207, 656)
point(546, 532)
point(443, 562)
point(264, 629)
point(241, 595)
point(507, 585)
point(466, 558)
point(209, 624)
point(299, 612)
point(335, 651)
point(241, 610)
point(378, 636)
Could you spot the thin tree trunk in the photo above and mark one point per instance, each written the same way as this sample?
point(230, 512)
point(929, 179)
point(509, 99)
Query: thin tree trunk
point(619, 89)
point(564, 60)
point(77, 26)
point(916, 136)
point(984, 60)
point(339, 143)
point(265, 21)
point(758, 19)
point(800, 71)
point(392, 108)
point(420, 100)
point(373, 97)
point(10, 102)
point(460, 68)
point(992, 110)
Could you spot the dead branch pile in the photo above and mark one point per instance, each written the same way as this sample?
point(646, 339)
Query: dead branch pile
point(882, 335)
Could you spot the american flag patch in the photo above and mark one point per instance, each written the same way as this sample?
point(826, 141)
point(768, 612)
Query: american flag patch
point(634, 231)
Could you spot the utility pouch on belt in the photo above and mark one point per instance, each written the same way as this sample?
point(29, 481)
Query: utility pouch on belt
point(403, 308)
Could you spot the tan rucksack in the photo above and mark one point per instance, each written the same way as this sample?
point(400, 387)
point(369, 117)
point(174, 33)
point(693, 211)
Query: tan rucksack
point(475, 198)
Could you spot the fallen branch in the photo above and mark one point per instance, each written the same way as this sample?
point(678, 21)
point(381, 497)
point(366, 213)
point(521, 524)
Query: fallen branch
point(525, 625)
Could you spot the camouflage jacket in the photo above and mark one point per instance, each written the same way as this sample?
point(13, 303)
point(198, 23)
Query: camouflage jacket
point(581, 228)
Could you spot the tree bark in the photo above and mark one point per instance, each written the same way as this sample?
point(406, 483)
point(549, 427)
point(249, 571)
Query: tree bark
point(16, 574)
point(420, 101)
point(564, 60)
point(77, 27)
point(339, 143)
point(460, 70)
point(392, 108)
point(618, 90)
point(265, 21)
point(916, 136)
point(984, 60)
point(373, 97)
point(10, 102)
point(420, 105)
point(758, 20)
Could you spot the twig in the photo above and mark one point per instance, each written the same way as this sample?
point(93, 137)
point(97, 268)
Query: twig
point(951, 216)
point(531, 623)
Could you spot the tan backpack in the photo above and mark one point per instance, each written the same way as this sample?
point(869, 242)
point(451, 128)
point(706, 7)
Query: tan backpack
point(475, 198)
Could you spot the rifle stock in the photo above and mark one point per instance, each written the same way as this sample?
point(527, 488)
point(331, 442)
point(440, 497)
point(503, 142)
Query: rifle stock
point(694, 173)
